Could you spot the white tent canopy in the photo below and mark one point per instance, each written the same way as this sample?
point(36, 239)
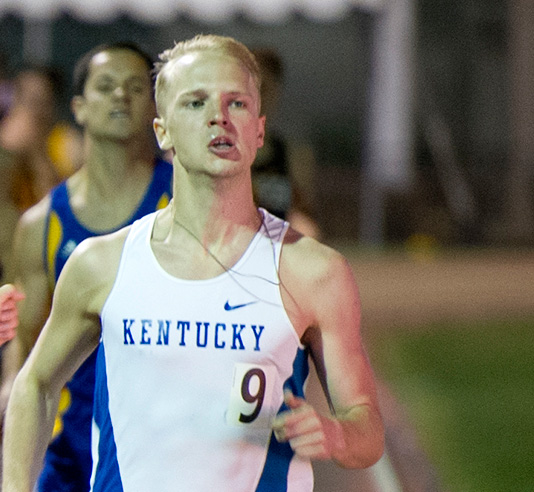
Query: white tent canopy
point(202, 10)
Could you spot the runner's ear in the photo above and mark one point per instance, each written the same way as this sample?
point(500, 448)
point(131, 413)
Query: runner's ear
point(77, 106)
point(162, 136)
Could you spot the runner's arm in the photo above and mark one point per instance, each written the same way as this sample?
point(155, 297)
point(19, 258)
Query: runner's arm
point(71, 333)
point(26, 271)
point(326, 296)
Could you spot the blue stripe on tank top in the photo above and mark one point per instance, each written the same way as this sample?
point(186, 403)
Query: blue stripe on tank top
point(107, 478)
point(279, 455)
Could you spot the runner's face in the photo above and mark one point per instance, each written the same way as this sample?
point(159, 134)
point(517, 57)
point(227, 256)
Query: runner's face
point(117, 102)
point(211, 115)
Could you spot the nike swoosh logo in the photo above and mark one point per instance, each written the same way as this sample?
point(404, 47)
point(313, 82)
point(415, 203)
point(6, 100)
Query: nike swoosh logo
point(228, 307)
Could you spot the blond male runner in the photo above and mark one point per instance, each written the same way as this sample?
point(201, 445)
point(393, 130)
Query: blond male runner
point(204, 314)
point(119, 181)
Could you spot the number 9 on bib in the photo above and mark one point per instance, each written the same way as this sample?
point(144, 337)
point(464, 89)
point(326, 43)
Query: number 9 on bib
point(251, 396)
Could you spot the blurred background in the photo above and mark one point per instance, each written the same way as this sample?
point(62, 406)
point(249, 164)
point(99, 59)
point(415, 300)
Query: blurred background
point(411, 125)
point(418, 112)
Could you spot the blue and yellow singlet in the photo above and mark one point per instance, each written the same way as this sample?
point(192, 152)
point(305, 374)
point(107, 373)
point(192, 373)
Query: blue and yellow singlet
point(67, 464)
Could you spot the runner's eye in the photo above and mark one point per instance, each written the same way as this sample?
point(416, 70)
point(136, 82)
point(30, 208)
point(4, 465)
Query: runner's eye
point(105, 88)
point(137, 89)
point(197, 103)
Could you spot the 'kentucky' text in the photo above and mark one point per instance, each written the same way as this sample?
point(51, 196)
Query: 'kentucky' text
point(198, 333)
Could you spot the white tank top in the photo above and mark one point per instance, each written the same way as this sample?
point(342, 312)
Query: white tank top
point(190, 374)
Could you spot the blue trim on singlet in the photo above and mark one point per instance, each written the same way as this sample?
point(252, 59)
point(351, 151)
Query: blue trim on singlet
point(108, 476)
point(67, 465)
point(279, 455)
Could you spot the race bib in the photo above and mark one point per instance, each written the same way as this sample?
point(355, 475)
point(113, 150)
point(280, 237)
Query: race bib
point(251, 395)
